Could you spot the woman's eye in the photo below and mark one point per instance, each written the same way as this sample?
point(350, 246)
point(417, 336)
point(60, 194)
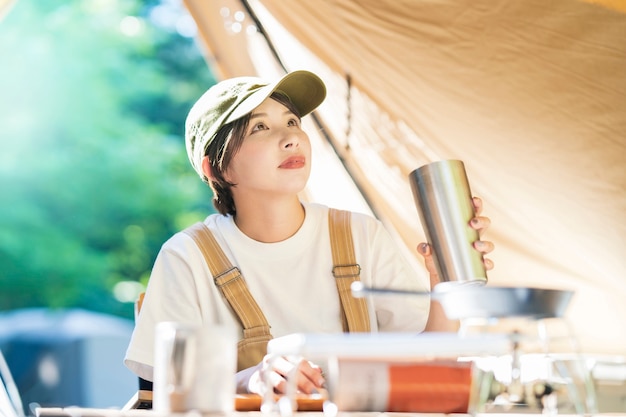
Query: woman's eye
point(259, 126)
point(293, 122)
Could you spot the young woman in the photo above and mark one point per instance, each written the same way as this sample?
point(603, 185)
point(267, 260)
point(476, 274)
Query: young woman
point(244, 138)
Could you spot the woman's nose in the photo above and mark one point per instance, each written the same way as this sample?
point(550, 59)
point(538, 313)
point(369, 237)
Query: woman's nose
point(290, 140)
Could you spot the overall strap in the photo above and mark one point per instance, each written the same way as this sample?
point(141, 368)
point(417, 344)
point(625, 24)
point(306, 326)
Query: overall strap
point(230, 282)
point(345, 270)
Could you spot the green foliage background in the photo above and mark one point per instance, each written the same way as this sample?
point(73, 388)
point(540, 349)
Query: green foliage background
point(93, 172)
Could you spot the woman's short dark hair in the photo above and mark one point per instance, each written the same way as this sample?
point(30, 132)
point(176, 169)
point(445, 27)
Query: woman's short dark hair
point(224, 147)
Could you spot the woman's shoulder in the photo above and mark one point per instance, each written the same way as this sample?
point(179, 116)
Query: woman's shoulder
point(362, 219)
point(322, 209)
point(359, 221)
point(183, 238)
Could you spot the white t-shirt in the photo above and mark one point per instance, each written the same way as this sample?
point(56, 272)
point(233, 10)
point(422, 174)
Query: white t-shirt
point(291, 281)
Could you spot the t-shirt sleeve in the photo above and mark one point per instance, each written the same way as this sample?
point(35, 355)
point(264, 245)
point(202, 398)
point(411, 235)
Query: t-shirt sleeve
point(389, 268)
point(171, 295)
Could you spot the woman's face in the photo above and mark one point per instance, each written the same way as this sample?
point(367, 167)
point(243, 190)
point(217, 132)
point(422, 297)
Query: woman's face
point(275, 156)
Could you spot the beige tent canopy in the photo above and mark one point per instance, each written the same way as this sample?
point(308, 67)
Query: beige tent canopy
point(531, 95)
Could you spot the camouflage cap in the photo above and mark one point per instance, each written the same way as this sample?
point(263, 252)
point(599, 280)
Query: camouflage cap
point(234, 98)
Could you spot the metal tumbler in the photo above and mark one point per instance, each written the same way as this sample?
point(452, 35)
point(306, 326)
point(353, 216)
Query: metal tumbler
point(444, 202)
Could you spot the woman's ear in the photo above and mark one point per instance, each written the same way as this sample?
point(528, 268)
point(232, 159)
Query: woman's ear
point(206, 168)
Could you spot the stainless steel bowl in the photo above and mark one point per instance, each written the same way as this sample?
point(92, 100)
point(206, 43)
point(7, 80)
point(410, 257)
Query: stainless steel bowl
point(500, 302)
point(472, 301)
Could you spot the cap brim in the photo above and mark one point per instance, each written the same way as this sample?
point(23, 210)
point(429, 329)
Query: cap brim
point(305, 90)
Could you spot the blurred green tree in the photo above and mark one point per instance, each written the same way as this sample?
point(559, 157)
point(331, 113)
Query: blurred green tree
point(93, 172)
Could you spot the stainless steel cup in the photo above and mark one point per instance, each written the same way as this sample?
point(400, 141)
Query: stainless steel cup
point(444, 202)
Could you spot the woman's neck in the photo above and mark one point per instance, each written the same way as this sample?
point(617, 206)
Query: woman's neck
point(270, 222)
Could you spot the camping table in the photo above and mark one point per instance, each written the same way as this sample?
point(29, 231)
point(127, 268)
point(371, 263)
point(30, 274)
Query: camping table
point(93, 412)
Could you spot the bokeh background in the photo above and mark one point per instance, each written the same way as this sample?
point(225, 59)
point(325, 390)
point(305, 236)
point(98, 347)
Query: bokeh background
point(93, 179)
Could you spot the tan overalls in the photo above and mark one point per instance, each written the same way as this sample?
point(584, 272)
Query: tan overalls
point(253, 347)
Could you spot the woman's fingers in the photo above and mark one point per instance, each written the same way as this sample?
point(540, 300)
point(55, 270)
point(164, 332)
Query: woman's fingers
point(307, 375)
point(480, 223)
point(478, 205)
point(278, 382)
point(310, 378)
point(488, 264)
point(313, 373)
point(481, 245)
point(484, 246)
point(425, 250)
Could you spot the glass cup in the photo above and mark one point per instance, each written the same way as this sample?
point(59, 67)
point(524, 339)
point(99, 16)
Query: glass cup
point(283, 405)
point(194, 368)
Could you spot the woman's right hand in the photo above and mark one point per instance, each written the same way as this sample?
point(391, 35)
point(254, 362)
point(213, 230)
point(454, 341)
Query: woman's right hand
point(274, 371)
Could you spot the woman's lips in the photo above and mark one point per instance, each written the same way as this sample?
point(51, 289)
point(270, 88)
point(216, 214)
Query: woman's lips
point(293, 162)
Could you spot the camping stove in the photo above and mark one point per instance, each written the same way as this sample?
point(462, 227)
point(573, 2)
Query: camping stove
point(543, 373)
